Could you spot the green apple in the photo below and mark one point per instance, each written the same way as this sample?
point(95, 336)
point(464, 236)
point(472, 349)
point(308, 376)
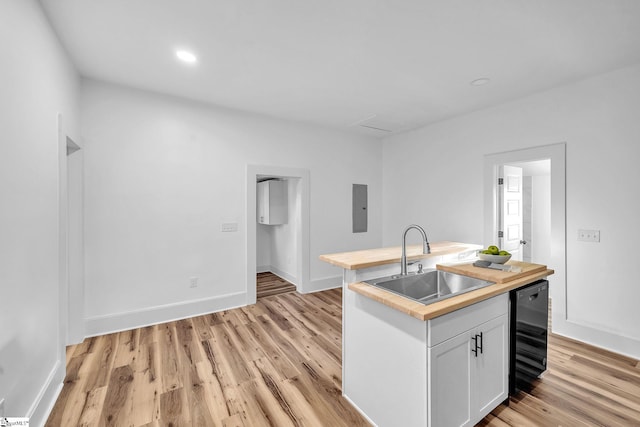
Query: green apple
point(494, 250)
point(504, 253)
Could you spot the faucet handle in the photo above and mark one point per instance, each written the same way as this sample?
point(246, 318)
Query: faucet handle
point(420, 269)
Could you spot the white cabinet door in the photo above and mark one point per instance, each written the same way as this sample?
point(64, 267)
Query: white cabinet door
point(263, 202)
point(491, 366)
point(468, 375)
point(272, 202)
point(278, 202)
point(450, 382)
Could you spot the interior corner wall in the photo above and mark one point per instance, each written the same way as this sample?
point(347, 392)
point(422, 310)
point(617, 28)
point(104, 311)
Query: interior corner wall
point(161, 176)
point(597, 118)
point(38, 83)
point(263, 248)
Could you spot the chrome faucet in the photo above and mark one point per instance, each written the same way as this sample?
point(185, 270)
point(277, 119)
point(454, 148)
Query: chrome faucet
point(426, 249)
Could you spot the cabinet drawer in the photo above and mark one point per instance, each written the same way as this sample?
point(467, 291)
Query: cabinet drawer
point(449, 325)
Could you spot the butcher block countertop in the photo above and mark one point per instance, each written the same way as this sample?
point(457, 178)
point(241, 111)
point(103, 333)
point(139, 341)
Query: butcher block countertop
point(504, 282)
point(357, 260)
point(492, 275)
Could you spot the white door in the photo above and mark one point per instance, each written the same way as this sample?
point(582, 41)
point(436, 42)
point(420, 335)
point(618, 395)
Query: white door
point(450, 382)
point(510, 207)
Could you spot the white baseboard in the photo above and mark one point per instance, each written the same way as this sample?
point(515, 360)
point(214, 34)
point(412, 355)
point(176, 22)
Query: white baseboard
point(357, 408)
point(315, 285)
point(280, 273)
point(43, 404)
point(100, 325)
point(286, 276)
point(604, 339)
point(324, 284)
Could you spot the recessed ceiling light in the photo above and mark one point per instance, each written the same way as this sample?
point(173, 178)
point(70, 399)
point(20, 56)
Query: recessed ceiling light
point(186, 56)
point(480, 82)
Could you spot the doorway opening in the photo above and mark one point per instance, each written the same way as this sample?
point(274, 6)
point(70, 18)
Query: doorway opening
point(540, 231)
point(524, 210)
point(279, 224)
point(292, 262)
point(71, 238)
point(75, 242)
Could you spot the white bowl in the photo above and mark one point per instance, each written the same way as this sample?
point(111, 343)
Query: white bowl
point(498, 259)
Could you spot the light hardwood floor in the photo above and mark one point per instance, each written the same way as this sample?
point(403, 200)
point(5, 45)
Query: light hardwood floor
point(583, 386)
point(278, 363)
point(268, 284)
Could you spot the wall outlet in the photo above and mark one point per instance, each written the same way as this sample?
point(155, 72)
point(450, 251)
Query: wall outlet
point(194, 282)
point(2, 407)
point(229, 227)
point(589, 235)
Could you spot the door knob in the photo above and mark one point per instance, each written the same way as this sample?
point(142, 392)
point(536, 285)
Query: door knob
point(523, 242)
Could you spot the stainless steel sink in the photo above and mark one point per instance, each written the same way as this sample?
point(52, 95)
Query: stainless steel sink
point(430, 286)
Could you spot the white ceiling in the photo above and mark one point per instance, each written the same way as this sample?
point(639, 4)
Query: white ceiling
point(400, 64)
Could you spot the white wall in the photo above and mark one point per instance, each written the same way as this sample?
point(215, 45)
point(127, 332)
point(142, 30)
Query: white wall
point(38, 82)
point(162, 174)
point(263, 248)
point(435, 174)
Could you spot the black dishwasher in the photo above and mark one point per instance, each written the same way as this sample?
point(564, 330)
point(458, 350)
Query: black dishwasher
point(528, 343)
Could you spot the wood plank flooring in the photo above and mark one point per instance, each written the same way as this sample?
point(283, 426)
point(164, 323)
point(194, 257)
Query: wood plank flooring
point(275, 363)
point(583, 386)
point(278, 363)
point(268, 284)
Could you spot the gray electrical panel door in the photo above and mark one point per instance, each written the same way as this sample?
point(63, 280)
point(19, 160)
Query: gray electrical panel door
point(359, 208)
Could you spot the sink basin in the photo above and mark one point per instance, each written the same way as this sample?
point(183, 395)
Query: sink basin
point(430, 286)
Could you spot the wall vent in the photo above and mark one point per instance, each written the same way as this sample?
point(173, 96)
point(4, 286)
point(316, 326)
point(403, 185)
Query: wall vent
point(378, 124)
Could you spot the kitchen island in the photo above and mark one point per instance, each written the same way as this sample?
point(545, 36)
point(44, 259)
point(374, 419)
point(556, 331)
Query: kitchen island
point(406, 363)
